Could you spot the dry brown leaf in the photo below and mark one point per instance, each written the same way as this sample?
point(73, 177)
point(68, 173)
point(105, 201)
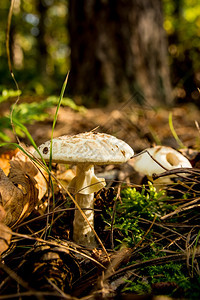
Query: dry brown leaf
point(29, 168)
point(5, 237)
point(27, 185)
point(5, 160)
point(67, 175)
point(10, 198)
point(18, 194)
point(2, 214)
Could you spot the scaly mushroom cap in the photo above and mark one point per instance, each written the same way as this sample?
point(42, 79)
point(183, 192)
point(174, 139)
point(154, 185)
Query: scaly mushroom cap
point(88, 147)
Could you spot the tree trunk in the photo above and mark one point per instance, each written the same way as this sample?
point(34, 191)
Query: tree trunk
point(42, 44)
point(118, 51)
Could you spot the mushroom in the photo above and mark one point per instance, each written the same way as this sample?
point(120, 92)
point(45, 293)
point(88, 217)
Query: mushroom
point(86, 150)
point(166, 158)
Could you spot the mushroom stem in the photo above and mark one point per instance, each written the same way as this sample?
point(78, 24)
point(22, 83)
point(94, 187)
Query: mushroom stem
point(82, 232)
point(84, 184)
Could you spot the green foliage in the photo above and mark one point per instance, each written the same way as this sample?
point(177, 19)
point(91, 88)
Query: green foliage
point(4, 125)
point(8, 94)
point(28, 113)
point(40, 42)
point(173, 274)
point(135, 205)
point(182, 24)
point(53, 101)
point(170, 272)
point(139, 287)
point(183, 18)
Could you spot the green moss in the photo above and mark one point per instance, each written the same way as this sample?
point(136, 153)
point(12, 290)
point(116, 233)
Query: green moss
point(145, 204)
point(169, 279)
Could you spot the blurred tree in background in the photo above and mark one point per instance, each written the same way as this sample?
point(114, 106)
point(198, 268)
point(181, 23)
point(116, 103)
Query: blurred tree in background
point(119, 50)
point(113, 48)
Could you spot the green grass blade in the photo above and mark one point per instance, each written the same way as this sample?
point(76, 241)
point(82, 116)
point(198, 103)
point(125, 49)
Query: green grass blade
point(56, 116)
point(50, 157)
point(25, 130)
point(171, 126)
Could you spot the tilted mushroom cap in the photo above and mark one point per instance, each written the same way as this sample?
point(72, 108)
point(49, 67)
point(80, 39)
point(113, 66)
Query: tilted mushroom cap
point(88, 147)
point(164, 156)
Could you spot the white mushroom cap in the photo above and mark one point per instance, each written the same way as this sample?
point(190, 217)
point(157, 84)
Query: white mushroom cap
point(88, 147)
point(167, 157)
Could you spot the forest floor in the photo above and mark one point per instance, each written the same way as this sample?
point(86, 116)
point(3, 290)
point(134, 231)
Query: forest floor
point(35, 267)
point(140, 127)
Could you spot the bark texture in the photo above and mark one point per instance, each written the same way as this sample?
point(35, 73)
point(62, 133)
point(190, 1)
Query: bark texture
point(118, 51)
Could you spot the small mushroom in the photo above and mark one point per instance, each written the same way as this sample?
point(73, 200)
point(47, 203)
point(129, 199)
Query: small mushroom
point(166, 158)
point(86, 150)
